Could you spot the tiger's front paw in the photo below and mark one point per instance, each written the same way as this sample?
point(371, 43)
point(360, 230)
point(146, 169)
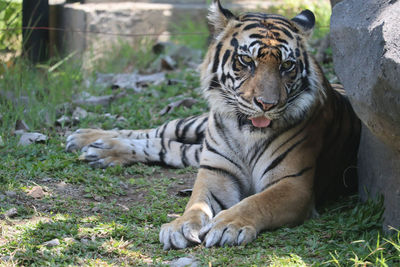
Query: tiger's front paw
point(113, 151)
point(82, 138)
point(228, 229)
point(182, 232)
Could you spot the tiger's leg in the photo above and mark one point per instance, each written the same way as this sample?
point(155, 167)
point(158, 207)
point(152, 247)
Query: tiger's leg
point(286, 203)
point(122, 151)
point(175, 143)
point(212, 193)
point(188, 130)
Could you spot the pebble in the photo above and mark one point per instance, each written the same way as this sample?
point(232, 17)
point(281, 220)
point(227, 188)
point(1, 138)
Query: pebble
point(11, 212)
point(185, 261)
point(52, 243)
point(30, 138)
point(11, 193)
point(36, 192)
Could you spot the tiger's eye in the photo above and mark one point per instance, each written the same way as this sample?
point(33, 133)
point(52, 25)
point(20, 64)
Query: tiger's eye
point(245, 60)
point(287, 65)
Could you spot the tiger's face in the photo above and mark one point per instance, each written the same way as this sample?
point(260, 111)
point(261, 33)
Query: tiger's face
point(258, 68)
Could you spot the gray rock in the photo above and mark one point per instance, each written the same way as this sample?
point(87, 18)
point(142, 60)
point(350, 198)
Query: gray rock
point(63, 120)
point(21, 125)
point(379, 170)
point(52, 243)
point(11, 213)
point(365, 39)
point(11, 193)
point(30, 138)
point(79, 113)
point(183, 262)
point(365, 43)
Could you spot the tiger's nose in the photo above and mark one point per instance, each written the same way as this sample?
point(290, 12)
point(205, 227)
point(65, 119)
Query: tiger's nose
point(265, 104)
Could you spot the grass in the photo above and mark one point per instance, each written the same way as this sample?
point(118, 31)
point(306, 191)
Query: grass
point(112, 217)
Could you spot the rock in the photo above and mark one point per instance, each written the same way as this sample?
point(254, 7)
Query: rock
point(63, 120)
point(19, 132)
point(52, 243)
point(69, 240)
point(21, 125)
point(5, 258)
point(30, 138)
point(11, 193)
point(46, 179)
point(61, 185)
point(187, 102)
point(365, 38)
point(168, 63)
point(64, 108)
point(97, 100)
point(79, 113)
point(184, 262)
point(379, 173)
point(95, 209)
point(98, 198)
point(36, 192)
point(85, 241)
point(11, 212)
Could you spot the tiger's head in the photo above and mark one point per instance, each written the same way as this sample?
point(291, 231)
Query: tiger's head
point(258, 69)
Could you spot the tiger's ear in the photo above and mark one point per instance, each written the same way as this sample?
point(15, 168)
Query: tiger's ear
point(305, 22)
point(219, 16)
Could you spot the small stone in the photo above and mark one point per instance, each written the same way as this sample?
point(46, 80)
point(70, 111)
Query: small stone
point(61, 185)
point(19, 132)
point(84, 241)
point(95, 100)
point(121, 119)
point(125, 208)
point(79, 113)
point(30, 138)
point(52, 243)
point(95, 209)
point(63, 120)
point(11, 193)
point(168, 63)
point(184, 262)
point(5, 258)
point(11, 212)
point(123, 185)
point(98, 198)
point(36, 192)
point(46, 179)
point(70, 240)
point(21, 125)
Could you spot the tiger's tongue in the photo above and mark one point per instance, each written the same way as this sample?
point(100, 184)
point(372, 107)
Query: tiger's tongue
point(260, 122)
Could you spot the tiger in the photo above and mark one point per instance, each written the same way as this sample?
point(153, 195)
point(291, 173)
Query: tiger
point(277, 142)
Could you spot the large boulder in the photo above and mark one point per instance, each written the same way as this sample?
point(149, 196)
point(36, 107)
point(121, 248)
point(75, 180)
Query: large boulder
point(365, 38)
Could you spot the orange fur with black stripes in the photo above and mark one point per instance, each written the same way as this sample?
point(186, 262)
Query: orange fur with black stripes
point(277, 141)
